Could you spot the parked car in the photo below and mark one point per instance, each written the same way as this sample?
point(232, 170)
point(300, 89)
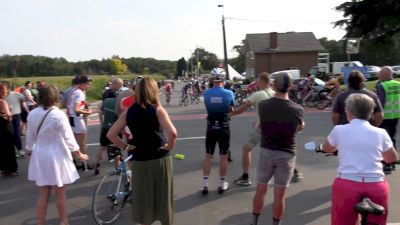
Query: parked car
point(396, 71)
point(373, 72)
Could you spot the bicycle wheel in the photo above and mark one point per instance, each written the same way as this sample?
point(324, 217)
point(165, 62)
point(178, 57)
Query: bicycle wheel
point(322, 100)
point(109, 198)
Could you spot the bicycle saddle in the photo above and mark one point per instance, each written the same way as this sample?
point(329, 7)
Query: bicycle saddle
point(367, 206)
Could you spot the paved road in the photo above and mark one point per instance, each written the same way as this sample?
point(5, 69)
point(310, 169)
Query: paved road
point(308, 202)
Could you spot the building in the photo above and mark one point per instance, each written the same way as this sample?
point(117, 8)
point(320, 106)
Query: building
point(271, 52)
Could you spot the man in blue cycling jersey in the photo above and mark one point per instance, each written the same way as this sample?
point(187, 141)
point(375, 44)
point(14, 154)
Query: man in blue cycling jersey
point(219, 103)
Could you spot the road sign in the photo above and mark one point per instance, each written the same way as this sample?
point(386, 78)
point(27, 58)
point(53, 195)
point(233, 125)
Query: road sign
point(353, 45)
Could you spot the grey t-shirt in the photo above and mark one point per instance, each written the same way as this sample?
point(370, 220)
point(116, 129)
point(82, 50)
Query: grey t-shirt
point(340, 103)
point(14, 100)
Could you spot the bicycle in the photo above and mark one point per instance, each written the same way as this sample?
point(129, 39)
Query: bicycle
point(168, 96)
point(366, 206)
point(184, 100)
point(113, 191)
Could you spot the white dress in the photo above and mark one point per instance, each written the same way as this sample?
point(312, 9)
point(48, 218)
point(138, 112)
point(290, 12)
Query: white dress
point(51, 161)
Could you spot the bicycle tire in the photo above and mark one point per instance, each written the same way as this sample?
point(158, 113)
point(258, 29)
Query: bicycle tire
point(322, 101)
point(106, 207)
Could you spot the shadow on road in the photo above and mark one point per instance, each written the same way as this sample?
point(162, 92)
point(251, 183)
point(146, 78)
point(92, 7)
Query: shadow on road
point(299, 209)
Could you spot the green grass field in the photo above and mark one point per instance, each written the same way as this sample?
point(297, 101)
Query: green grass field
point(63, 82)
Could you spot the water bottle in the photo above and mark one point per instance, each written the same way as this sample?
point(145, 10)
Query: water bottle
point(129, 175)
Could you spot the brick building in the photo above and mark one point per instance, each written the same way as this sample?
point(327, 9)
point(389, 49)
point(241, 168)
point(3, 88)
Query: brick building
point(271, 52)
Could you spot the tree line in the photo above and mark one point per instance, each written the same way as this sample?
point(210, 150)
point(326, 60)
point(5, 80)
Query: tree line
point(29, 65)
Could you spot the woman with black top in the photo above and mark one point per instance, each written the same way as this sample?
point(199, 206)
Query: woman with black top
point(152, 183)
point(8, 162)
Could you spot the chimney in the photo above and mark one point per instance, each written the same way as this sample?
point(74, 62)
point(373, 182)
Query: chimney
point(273, 40)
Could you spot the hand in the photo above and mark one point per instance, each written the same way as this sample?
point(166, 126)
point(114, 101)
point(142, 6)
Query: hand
point(166, 147)
point(84, 157)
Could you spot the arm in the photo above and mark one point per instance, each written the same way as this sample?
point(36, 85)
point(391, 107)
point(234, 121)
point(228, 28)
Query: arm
point(81, 111)
point(335, 118)
point(242, 108)
point(378, 118)
point(114, 131)
point(390, 155)
point(28, 96)
point(5, 111)
point(328, 148)
point(166, 123)
point(69, 138)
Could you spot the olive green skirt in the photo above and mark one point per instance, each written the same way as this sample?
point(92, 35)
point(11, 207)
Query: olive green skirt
point(152, 191)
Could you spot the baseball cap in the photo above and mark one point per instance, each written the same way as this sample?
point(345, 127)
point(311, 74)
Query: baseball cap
point(282, 81)
point(83, 79)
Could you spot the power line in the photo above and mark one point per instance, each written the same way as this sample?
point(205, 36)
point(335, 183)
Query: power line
point(276, 21)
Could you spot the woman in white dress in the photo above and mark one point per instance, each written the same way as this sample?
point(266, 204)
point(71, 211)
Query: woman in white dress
point(50, 144)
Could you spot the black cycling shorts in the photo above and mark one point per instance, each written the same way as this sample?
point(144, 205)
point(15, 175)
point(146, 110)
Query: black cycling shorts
point(104, 141)
point(221, 135)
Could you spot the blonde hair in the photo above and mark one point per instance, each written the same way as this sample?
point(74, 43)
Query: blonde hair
point(146, 92)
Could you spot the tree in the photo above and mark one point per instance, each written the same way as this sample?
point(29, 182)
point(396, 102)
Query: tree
point(207, 60)
point(383, 25)
point(180, 67)
point(117, 67)
point(239, 63)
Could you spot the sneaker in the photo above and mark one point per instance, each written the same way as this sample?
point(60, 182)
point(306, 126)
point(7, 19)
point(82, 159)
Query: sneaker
point(223, 188)
point(297, 177)
point(242, 181)
point(204, 191)
point(21, 153)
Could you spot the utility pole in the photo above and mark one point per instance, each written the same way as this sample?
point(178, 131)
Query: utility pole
point(225, 50)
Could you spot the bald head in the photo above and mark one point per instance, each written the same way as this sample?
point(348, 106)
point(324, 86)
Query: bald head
point(385, 74)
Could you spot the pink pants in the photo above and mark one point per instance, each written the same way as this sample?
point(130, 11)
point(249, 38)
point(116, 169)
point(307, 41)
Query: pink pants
point(347, 193)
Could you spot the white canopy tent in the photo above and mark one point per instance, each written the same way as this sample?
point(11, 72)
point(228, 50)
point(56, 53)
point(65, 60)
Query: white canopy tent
point(234, 74)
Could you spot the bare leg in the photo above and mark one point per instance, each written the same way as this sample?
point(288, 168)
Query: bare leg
point(246, 157)
point(279, 202)
point(100, 154)
point(207, 165)
point(223, 165)
point(258, 200)
point(43, 199)
point(61, 202)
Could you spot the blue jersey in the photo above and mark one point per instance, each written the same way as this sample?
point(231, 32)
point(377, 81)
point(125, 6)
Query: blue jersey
point(218, 103)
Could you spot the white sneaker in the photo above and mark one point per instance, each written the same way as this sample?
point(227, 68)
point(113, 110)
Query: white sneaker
point(21, 153)
point(224, 187)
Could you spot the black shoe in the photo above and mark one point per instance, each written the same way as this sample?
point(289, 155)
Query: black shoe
point(96, 171)
point(242, 181)
point(204, 191)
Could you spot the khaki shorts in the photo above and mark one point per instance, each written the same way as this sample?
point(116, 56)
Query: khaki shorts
point(255, 136)
point(279, 164)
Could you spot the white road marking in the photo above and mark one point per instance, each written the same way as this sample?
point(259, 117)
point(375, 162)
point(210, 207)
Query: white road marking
point(178, 139)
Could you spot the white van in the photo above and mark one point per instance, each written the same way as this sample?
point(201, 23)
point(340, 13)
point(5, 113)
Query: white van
point(294, 73)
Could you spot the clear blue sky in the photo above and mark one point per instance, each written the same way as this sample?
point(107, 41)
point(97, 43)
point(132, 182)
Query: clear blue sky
point(162, 29)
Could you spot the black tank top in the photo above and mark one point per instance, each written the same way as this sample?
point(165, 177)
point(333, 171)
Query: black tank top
point(147, 134)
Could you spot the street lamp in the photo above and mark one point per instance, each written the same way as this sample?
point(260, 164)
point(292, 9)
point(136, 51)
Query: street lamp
point(224, 39)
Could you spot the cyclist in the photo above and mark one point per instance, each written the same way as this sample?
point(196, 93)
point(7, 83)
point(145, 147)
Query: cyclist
point(360, 171)
point(168, 91)
point(187, 88)
point(264, 92)
point(280, 121)
point(107, 118)
point(219, 103)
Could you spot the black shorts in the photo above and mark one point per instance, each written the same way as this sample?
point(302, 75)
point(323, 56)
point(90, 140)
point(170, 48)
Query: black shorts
point(103, 138)
point(222, 136)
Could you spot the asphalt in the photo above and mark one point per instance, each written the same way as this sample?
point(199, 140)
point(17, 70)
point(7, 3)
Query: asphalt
point(307, 202)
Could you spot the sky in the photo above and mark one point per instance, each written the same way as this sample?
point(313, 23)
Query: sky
point(81, 30)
